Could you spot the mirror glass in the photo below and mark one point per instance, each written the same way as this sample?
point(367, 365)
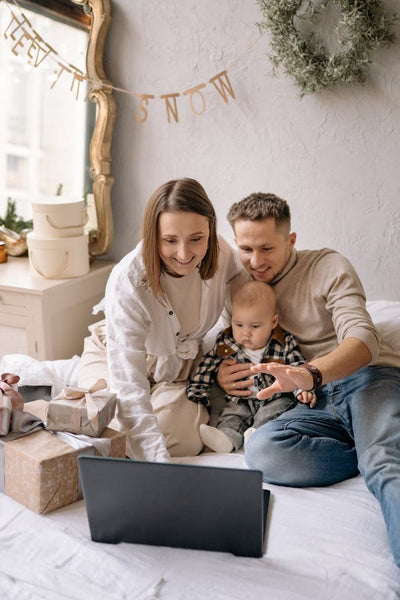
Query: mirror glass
point(44, 123)
point(50, 111)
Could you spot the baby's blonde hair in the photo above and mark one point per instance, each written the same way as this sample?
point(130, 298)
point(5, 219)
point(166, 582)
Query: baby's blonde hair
point(255, 292)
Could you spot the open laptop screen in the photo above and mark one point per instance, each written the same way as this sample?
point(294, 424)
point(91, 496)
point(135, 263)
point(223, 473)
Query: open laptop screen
point(185, 506)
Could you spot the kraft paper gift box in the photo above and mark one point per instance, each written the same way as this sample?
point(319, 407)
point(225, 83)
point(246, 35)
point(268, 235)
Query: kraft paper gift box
point(21, 423)
point(82, 411)
point(41, 470)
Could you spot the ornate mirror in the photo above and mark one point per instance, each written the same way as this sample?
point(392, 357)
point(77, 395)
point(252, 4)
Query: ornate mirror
point(87, 161)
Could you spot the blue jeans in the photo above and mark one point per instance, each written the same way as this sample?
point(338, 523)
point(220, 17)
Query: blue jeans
point(354, 427)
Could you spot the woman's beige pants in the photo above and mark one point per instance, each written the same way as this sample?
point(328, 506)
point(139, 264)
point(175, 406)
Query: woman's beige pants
point(178, 418)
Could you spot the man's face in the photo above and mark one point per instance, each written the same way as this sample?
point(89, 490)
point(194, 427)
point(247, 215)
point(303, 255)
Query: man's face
point(263, 249)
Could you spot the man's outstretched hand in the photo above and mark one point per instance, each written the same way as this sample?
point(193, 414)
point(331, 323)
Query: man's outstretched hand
point(287, 379)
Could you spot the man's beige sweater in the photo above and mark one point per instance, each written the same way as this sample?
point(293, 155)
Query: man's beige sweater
point(321, 301)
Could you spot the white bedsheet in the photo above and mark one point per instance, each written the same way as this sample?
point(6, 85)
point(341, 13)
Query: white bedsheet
point(321, 543)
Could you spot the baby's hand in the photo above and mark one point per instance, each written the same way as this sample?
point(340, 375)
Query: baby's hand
point(307, 398)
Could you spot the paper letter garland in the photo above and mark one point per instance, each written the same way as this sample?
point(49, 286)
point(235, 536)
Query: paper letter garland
point(28, 43)
point(170, 99)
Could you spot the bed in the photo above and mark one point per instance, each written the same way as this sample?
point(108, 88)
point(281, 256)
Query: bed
point(325, 543)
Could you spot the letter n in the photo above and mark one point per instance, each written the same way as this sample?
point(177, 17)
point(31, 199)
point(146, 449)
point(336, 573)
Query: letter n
point(172, 109)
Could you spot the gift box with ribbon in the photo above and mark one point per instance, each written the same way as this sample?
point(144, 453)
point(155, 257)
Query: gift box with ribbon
point(5, 414)
point(9, 399)
point(82, 411)
point(40, 469)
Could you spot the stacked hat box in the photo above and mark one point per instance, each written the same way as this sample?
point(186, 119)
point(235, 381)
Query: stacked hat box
point(58, 246)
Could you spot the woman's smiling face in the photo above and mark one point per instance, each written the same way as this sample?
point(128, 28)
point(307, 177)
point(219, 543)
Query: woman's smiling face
point(182, 241)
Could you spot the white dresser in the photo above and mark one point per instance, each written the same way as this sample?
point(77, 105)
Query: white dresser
point(47, 318)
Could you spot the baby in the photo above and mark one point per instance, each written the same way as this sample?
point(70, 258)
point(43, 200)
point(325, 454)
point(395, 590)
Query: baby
point(254, 337)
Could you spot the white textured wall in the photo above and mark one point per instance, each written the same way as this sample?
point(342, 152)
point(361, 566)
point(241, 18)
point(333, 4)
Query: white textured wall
point(333, 156)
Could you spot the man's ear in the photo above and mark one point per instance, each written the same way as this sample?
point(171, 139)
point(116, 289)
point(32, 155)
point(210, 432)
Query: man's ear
point(292, 239)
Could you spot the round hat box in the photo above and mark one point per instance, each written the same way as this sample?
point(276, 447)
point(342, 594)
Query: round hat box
point(55, 217)
point(61, 258)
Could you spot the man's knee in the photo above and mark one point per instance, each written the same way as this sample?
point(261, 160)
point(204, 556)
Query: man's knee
point(260, 450)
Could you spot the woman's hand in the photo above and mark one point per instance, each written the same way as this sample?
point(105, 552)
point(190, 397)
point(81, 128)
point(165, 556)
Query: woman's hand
point(231, 374)
point(287, 379)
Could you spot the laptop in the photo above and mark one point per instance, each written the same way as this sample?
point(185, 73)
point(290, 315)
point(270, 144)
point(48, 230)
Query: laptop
point(182, 506)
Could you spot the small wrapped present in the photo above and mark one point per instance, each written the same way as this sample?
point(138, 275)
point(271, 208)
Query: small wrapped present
point(9, 387)
point(5, 414)
point(41, 470)
point(82, 411)
point(110, 443)
point(38, 408)
point(9, 399)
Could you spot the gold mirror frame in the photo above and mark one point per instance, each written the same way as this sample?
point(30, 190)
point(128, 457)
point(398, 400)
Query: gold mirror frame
point(100, 241)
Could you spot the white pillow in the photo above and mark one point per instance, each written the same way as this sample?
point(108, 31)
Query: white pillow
point(386, 316)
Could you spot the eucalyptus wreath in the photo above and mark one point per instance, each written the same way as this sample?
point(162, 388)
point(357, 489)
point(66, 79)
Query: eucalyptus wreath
point(363, 26)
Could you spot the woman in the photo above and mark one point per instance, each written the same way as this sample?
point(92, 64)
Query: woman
point(161, 299)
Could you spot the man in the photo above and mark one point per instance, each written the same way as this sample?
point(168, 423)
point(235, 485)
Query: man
point(355, 424)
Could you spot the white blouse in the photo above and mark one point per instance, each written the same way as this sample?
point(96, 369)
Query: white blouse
point(138, 325)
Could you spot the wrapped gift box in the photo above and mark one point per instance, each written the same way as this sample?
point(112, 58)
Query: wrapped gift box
point(38, 408)
point(5, 414)
point(6, 405)
point(81, 411)
point(41, 471)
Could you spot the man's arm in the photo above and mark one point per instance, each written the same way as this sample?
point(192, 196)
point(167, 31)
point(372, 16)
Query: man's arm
point(350, 356)
point(347, 358)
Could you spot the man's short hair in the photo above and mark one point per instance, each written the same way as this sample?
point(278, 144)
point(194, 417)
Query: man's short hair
point(259, 206)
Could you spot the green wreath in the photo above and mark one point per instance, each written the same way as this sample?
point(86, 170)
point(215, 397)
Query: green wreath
point(362, 27)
